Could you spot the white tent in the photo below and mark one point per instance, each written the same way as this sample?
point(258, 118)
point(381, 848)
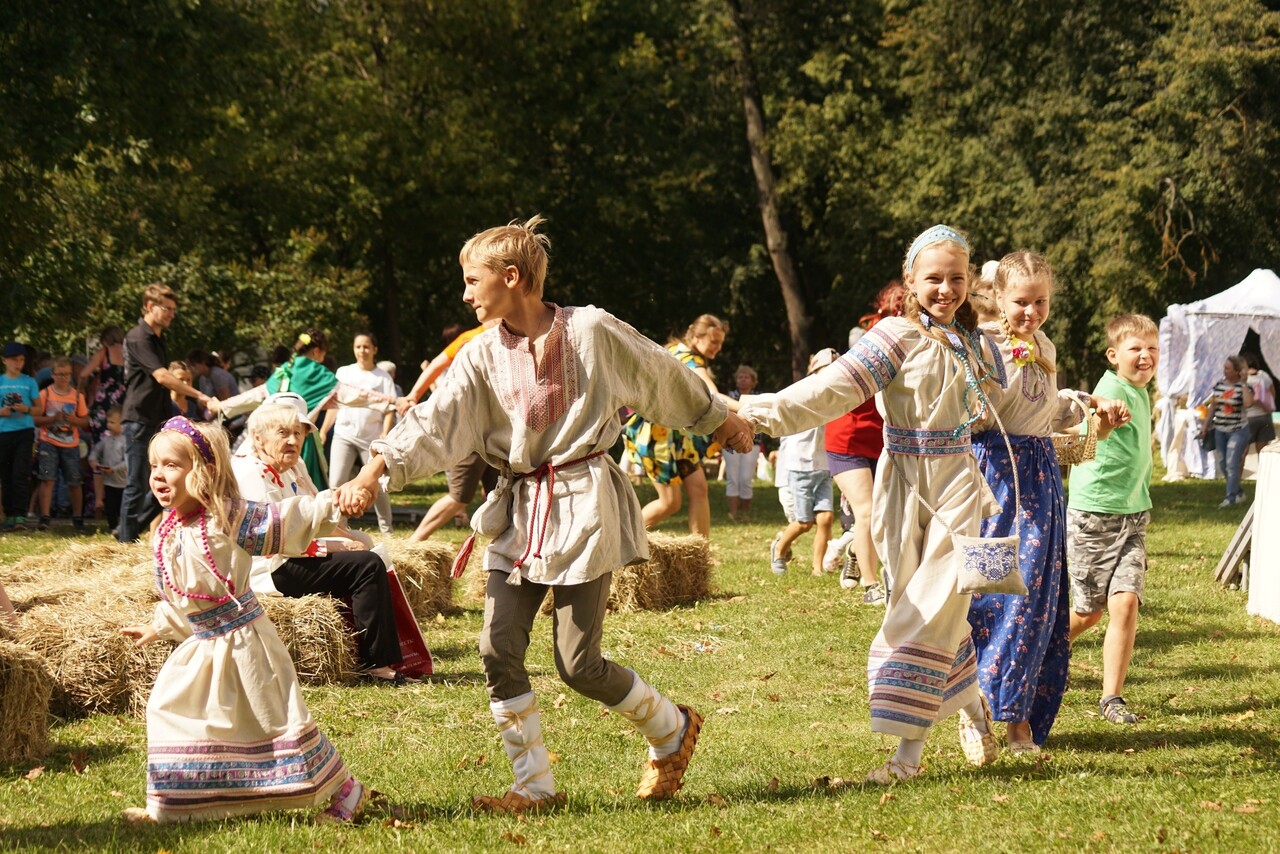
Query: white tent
point(1195, 340)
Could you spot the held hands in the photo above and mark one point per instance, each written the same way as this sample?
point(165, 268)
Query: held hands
point(404, 404)
point(735, 433)
point(1114, 413)
point(213, 405)
point(142, 634)
point(353, 498)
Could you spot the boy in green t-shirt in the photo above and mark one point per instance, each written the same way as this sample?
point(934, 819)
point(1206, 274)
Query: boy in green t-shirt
point(1108, 510)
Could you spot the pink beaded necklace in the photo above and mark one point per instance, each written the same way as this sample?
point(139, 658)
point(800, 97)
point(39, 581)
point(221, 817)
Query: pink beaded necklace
point(173, 520)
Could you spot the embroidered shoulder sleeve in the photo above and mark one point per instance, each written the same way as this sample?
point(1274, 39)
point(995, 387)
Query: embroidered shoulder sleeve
point(259, 531)
point(875, 360)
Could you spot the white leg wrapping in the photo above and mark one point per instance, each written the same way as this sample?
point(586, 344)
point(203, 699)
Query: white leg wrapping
point(654, 715)
point(520, 724)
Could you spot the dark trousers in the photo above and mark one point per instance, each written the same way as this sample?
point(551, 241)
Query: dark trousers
point(111, 499)
point(577, 625)
point(137, 507)
point(15, 469)
point(361, 576)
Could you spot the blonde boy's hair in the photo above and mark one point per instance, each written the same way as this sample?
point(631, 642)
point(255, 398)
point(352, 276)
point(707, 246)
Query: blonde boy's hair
point(1126, 325)
point(516, 244)
point(212, 484)
point(61, 362)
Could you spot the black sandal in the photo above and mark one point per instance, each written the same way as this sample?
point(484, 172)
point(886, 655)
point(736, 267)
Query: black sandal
point(396, 681)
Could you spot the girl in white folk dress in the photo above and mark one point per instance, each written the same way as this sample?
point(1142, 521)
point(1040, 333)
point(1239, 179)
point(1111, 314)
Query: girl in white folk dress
point(929, 367)
point(228, 732)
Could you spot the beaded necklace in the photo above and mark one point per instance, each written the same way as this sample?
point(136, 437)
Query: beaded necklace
point(971, 383)
point(173, 520)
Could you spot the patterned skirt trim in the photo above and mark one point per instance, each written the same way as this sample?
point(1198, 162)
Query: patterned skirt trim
point(910, 683)
point(215, 779)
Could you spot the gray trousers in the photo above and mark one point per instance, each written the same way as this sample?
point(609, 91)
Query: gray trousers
point(578, 620)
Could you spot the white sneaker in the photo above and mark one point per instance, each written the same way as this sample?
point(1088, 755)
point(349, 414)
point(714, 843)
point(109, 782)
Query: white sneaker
point(834, 555)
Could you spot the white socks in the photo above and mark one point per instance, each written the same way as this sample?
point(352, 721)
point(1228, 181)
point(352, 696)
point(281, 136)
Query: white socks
point(910, 752)
point(655, 716)
point(520, 724)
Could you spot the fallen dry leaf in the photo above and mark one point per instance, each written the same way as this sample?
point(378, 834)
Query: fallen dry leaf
point(552, 757)
point(1098, 835)
point(116, 793)
point(717, 801)
point(773, 698)
point(1247, 809)
point(440, 618)
point(736, 599)
point(714, 831)
point(727, 710)
point(1130, 750)
point(886, 797)
point(33, 773)
point(1213, 806)
point(79, 761)
point(560, 701)
point(767, 676)
point(773, 784)
point(1243, 716)
point(515, 838)
point(879, 835)
point(1000, 798)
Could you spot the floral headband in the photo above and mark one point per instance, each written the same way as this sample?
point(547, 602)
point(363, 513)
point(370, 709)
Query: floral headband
point(178, 424)
point(936, 234)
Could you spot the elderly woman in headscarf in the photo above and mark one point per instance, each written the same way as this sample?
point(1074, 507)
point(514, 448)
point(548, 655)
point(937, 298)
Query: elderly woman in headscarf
point(267, 468)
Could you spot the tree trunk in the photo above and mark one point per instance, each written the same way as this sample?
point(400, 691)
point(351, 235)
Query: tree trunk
point(390, 305)
point(799, 323)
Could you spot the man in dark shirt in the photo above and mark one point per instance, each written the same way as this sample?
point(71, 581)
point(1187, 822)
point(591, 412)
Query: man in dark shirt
point(147, 404)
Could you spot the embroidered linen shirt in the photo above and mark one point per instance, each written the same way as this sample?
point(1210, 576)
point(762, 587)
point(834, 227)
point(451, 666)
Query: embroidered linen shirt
point(1031, 403)
point(497, 402)
point(263, 483)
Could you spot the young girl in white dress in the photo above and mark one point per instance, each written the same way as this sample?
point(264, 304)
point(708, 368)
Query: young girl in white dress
point(929, 368)
point(228, 732)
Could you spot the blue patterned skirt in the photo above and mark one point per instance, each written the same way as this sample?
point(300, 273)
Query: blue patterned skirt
point(1023, 642)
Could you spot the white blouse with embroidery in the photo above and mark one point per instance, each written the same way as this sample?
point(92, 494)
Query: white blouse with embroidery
point(574, 524)
point(1031, 404)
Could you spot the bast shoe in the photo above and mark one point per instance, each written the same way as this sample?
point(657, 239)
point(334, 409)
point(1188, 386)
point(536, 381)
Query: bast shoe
point(980, 748)
point(514, 803)
point(663, 777)
point(893, 771)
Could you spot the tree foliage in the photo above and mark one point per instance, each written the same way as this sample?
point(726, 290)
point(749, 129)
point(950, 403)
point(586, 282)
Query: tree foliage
point(319, 163)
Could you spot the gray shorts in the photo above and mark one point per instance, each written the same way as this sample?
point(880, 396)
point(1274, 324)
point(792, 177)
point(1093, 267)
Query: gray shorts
point(1106, 555)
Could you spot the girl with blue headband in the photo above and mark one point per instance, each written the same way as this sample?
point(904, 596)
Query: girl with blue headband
point(928, 367)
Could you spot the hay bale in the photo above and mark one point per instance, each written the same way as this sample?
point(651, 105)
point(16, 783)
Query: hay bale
point(316, 633)
point(95, 667)
point(25, 688)
point(129, 583)
point(424, 573)
point(678, 572)
point(76, 559)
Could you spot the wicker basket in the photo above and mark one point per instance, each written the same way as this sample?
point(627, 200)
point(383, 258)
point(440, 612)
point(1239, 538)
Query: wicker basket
point(1076, 448)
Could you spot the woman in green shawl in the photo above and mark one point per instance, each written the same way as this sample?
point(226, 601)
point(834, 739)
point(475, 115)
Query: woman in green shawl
point(305, 374)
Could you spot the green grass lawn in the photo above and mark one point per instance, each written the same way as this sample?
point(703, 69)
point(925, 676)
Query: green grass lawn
point(777, 664)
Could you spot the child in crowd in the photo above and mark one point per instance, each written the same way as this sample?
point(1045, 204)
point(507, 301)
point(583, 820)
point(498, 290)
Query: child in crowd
point(1232, 397)
point(740, 469)
point(61, 413)
point(537, 396)
point(809, 486)
point(187, 407)
point(18, 393)
point(228, 732)
point(108, 462)
point(1022, 641)
point(928, 367)
point(1108, 510)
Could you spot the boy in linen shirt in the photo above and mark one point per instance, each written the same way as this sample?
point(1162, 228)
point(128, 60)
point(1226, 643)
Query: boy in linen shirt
point(537, 397)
